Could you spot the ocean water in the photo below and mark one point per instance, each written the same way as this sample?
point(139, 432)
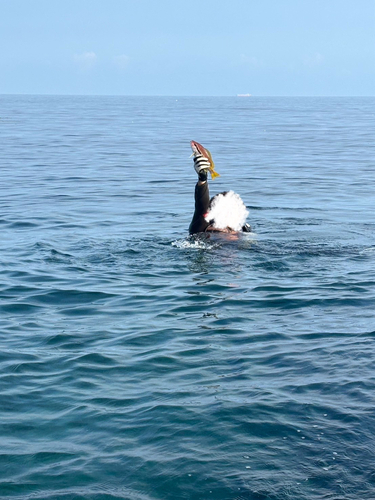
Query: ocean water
point(136, 363)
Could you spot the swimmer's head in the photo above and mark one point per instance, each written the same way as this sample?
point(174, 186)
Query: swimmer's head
point(227, 212)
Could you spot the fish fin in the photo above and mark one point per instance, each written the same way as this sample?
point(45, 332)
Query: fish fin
point(210, 158)
point(212, 168)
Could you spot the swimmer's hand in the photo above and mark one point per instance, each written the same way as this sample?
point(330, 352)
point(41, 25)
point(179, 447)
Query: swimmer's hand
point(199, 150)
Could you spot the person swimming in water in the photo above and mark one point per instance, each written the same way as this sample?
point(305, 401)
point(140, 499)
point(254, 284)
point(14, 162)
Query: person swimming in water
point(225, 212)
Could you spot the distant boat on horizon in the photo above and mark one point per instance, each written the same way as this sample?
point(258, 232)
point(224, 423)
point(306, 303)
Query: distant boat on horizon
point(243, 95)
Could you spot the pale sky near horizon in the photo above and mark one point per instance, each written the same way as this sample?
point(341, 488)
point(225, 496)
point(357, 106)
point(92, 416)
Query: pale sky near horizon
point(173, 47)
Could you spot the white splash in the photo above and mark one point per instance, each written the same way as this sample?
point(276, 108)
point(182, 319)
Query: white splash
point(197, 243)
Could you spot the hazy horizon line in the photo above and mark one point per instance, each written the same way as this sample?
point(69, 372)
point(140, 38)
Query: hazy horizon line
point(239, 96)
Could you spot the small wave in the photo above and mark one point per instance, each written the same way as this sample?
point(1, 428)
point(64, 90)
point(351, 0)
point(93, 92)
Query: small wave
point(22, 225)
point(216, 240)
point(369, 250)
point(198, 244)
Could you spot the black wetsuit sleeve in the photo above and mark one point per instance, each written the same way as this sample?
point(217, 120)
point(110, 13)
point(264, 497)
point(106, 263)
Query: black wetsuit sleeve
point(202, 201)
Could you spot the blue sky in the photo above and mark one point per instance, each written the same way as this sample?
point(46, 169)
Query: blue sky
point(205, 47)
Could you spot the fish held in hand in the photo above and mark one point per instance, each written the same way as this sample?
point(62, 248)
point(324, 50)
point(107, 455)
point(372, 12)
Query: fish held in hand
point(203, 159)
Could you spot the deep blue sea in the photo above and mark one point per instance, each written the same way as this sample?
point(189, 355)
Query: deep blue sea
point(136, 363)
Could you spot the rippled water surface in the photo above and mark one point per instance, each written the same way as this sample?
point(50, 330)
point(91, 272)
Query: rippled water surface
point(138, 364)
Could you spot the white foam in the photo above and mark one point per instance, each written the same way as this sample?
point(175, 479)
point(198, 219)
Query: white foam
point(228, 211)
point(198, 244)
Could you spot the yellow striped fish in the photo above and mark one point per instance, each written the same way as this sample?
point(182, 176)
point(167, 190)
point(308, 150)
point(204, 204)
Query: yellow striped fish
point(199, 150)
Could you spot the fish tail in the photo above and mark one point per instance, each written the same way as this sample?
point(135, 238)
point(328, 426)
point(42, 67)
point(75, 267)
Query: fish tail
point(213, 174)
